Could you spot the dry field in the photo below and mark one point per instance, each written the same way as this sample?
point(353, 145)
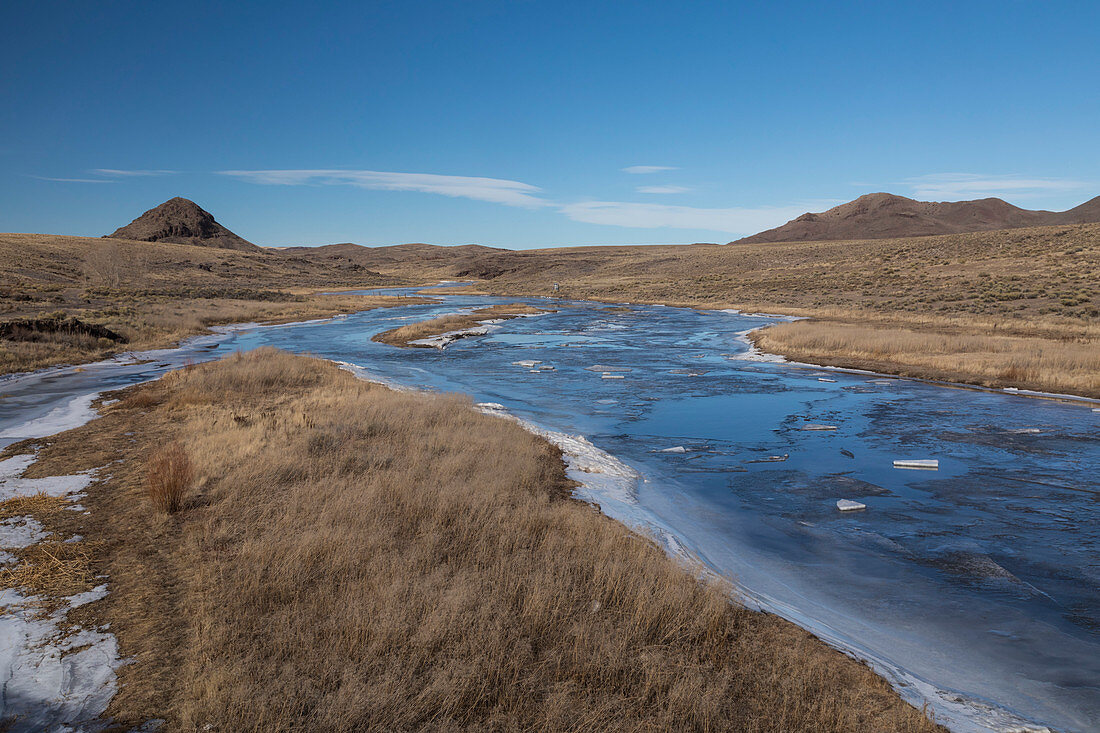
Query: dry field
point(404, 335)
point(1042, 284)
point(151, 295)
point(352, 558)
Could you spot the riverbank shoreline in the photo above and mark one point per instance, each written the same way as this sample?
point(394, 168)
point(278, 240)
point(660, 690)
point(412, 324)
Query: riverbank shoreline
point(136, 407)
point(323, 305)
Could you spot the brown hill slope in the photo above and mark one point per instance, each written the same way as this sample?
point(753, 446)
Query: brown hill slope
point(182, 221)
point(884, 215)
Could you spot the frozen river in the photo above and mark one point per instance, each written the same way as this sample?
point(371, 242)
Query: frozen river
point(974, 587)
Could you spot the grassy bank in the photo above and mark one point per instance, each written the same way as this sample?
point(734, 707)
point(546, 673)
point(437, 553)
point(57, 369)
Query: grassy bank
point(406, 335)
point(1068, 365)
point(151, 295)
point(353, 558)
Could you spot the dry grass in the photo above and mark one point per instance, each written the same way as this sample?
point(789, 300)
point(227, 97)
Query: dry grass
point(362, 559)
point(404, 335)
point(168, 477)
point(39, 505)
point(50, 570)
point(155, 294)
point(1071, 365)
point(1042, 274)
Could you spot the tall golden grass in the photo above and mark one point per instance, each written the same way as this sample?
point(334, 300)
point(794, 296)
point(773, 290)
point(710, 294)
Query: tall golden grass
point(362, 559)
point(1064, 365)
point(168, 477)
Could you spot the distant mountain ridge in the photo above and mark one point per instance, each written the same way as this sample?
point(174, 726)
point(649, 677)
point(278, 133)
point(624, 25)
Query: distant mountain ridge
point(885, 216)
point(182, 221)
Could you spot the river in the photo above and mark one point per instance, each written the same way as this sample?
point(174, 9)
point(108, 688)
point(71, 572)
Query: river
point(974, 588)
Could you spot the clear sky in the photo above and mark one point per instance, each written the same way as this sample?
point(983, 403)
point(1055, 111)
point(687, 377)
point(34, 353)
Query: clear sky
point(525, 123)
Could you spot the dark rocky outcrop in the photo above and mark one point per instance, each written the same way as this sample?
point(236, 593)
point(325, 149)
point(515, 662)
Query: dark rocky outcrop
point(182, 221)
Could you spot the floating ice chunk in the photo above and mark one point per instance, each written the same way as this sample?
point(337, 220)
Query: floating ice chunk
point(931, 464)
point(847, 505)
point(673, 449)
point(608, 401)
point(612, 376)
point(607, 368)
point(771, 459)
point(528, 363)
point(490, 405)
point(823, 379)
point(815, 426)
point(1023, 431)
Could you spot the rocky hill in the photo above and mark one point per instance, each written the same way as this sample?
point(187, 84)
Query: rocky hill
point(885, 216)
point(182, 221)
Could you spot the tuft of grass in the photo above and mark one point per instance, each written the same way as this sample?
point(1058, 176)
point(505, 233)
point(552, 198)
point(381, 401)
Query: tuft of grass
point(168, 477)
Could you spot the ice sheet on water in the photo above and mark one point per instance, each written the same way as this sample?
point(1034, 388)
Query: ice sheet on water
point(73, 414)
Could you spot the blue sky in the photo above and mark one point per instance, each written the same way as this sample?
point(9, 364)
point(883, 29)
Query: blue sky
point(525, 123)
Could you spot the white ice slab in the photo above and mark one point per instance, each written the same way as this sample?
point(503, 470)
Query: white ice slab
point(925, 463)
point(673, 449)
point(847, 505)
point(815, 426)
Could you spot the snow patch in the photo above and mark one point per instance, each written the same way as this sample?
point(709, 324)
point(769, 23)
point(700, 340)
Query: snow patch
point(64, 417)
point(12, 485)
point(19, 532)
point(54, 681)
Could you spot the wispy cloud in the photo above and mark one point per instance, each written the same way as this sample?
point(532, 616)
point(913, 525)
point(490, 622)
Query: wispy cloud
point(654, 216)
point(955, 185)
point(495, 190)
point(643, 169)
point(663, 189)
point(73, 180)
point(114, 172)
